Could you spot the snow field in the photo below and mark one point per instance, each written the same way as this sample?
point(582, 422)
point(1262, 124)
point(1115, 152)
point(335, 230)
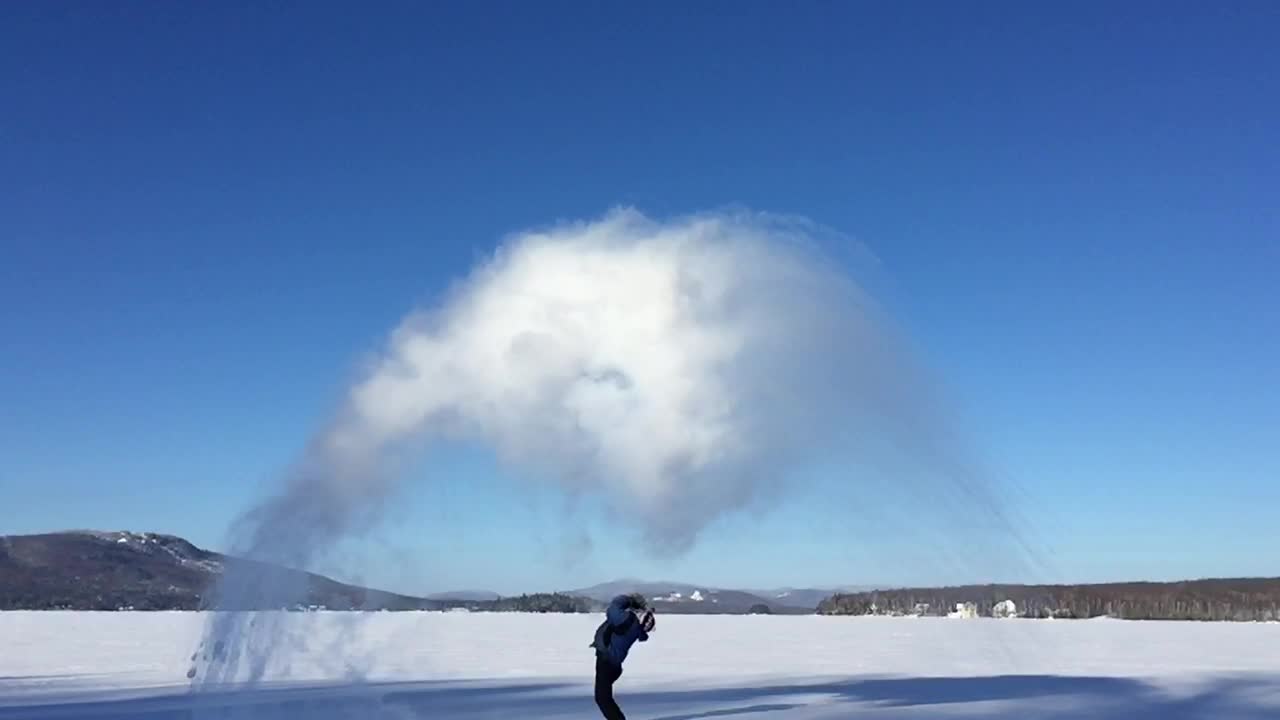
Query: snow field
point(812, 662)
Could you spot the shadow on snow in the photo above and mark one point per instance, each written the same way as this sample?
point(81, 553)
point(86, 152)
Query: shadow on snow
point(1010, 697)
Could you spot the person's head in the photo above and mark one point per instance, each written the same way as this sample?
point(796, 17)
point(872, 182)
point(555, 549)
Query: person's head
point(638, 601)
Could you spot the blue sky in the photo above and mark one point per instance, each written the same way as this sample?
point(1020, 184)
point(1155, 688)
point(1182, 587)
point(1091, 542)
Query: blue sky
point(208, 214)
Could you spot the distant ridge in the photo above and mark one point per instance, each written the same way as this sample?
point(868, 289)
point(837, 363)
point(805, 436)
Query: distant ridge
point(466, 596)
point(113, 570)
point(686, 598)
point(122, 570)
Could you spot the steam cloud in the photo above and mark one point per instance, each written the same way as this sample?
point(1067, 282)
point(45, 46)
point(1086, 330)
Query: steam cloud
point(667, 366)
point(676, 369)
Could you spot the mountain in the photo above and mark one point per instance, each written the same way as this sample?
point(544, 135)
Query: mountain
point(808, 597)
point(466, 596)
point(684, 598)
point(799, 597)
point(94, 570)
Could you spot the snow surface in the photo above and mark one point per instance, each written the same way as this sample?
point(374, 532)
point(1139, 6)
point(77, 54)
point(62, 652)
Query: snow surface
point(402, 666)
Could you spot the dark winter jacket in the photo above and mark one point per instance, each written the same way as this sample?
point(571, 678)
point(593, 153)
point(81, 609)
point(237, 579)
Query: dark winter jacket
point(619, 631)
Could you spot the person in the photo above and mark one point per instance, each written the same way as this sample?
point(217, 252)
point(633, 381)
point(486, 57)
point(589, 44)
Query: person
point(628, 620)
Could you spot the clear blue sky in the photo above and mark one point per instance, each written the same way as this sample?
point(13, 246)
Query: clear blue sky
point(208, 213)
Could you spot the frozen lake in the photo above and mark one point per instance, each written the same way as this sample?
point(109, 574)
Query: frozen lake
point(401, 666)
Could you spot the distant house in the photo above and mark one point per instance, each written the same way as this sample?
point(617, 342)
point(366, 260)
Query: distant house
point(1005, 609)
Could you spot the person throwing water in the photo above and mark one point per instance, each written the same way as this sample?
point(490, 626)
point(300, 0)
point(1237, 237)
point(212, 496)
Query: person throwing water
point(627, 619)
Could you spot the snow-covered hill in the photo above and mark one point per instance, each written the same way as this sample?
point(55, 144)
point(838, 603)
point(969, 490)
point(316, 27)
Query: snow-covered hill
point(97, 570)
point(466, 596)
point(806, 597)
point(686, 598)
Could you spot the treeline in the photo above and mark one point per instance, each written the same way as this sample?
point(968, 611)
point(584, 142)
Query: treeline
point(543, 602)
point(90, 598)
point(1241, 599)
point(536, 603)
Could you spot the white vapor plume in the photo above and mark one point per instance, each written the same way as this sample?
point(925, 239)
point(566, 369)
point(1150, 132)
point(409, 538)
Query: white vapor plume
point(678, 369)
point(670, 366)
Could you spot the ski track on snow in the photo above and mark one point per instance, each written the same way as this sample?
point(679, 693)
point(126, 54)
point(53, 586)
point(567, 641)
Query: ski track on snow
point(404, 666)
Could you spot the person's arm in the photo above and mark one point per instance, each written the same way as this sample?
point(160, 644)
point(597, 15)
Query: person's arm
point(646, 625)
point(636, 630)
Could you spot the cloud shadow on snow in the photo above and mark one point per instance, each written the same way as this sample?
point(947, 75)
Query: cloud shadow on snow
point(1048, 697)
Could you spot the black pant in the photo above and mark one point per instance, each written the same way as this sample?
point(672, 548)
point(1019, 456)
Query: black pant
point(606, 675)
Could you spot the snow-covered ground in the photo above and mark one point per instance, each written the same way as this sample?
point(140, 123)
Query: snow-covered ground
point(400, 666)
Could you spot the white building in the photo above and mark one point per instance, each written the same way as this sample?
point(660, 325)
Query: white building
point(1005, 609)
